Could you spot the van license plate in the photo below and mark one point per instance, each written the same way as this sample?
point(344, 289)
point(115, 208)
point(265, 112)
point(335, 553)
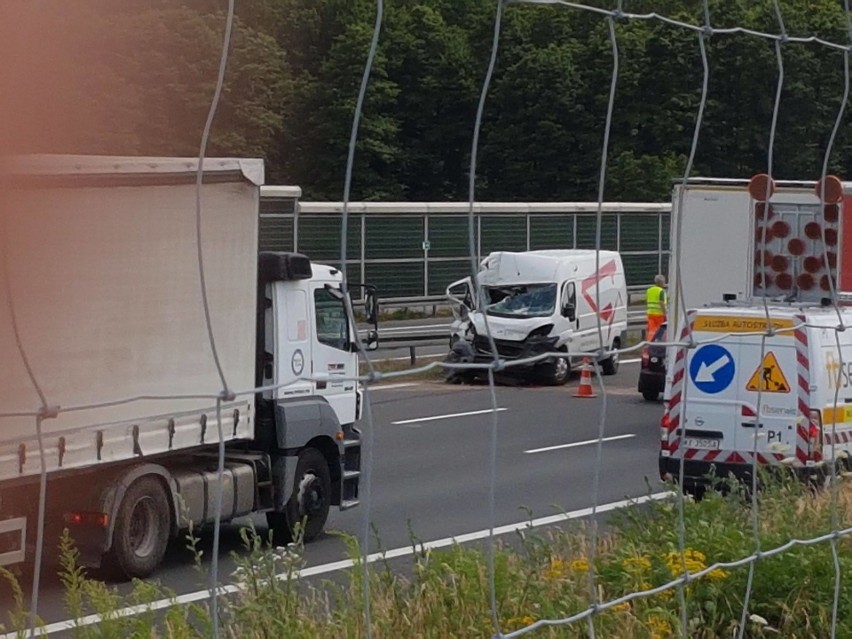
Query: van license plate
point(701, 443)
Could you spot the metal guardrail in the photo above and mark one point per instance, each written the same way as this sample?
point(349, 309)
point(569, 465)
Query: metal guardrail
point(414, 337)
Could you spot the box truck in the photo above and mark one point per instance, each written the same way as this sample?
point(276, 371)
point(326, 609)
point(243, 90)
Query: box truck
point(109, 384)
point(766, 380)
point(541, 302)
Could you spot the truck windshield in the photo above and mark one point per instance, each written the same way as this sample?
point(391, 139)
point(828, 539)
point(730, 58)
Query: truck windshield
point(522, 300)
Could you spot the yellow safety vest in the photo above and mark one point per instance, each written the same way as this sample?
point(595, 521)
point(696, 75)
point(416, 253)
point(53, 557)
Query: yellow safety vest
point(655, 297)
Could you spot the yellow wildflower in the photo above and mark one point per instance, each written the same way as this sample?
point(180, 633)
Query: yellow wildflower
point(660, 628)
point(556, 570)
point(519, 622)
point(622, 607)
point(694, 559)
point(637, 564)
point(579, 565)
point(717, 575)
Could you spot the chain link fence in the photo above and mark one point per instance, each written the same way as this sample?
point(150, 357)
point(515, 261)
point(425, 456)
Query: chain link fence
point(411, 251)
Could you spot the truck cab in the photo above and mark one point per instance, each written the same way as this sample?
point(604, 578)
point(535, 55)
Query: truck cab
point(310, 401)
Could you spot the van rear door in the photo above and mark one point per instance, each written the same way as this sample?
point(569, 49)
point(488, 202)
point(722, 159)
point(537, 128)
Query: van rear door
point(710, 409)
point(768, 375)
point(723, 381)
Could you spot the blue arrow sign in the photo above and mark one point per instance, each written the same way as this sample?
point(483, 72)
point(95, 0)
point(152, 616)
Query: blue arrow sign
point(712, 369)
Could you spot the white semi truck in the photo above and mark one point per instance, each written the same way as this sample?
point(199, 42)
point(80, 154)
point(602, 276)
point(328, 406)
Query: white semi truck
point(108, 382)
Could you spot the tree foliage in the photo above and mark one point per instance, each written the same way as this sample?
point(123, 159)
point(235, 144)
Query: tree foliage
point(146, 73)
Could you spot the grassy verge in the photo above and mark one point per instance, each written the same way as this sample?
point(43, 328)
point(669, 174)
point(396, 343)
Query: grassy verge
point(539, 576)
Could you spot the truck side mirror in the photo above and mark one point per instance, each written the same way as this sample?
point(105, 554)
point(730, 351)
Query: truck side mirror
point(569, 311)
point(371, 307)
point(372, 341)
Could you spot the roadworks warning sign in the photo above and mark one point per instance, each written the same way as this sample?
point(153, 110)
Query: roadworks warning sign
point(768, 377)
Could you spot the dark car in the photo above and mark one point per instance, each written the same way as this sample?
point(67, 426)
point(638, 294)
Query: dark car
point(652, 377)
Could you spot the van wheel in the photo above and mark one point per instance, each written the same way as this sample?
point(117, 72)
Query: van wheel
point(554, 373)
point(142, 529)
point(609, 366)
point(650, 396)
point(309, 504)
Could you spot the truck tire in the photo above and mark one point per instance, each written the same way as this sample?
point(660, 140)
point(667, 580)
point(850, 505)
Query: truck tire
point(609, 366)
point(142, 530)
point(309, 504)
point(650, 396)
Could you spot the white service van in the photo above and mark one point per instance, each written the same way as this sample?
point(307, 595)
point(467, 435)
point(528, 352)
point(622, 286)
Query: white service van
point(543, 301)
point(730, 398)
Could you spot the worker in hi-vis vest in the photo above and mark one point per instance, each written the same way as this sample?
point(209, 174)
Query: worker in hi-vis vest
point(655, 299)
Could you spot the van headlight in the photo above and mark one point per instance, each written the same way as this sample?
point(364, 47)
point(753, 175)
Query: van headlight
point(540, 333)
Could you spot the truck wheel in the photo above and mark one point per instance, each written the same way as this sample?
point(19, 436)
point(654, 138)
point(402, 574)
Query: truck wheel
point(554, 373)
point(609, 366)
point(142, 528)
point(650, 396)
point(309, 504)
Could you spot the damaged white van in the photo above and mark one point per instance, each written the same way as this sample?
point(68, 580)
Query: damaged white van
point(540, 302)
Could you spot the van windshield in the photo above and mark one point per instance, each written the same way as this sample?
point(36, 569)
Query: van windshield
point(521, 300)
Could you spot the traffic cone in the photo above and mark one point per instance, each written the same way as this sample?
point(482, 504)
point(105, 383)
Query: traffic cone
point(585, 388)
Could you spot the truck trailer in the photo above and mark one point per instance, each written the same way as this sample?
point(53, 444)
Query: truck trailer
point(110, 390)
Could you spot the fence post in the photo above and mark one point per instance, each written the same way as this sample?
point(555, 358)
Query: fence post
point(413, 356)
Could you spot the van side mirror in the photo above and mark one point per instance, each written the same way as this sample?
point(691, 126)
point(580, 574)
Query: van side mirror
point(569, 311)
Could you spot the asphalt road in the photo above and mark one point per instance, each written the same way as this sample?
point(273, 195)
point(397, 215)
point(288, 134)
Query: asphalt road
point(432, 473)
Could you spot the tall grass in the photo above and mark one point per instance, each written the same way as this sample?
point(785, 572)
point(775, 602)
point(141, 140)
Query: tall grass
point(539, 575)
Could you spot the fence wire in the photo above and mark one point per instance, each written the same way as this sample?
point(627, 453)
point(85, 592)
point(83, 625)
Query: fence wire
point(684, 342)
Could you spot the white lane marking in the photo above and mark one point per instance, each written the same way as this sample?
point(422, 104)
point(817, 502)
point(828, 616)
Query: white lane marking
point(450, 416)
point(631, 361)
point(575, 444)
point(191, 597)
point(392, 386)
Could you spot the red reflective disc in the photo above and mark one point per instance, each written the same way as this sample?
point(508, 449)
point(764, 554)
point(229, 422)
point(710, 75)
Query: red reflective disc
point(824, 283)
point(761, 187)
point(784, 281)
point(831, 237)
point(780, 263)
point(813, 230)
point(833, 188)
point(812, 264)
point(759, 280)
point(796, 246)
point(763, 258)
point(831, 213)
point(805, 281)
point(760, 231)
point(763, 212)
point(832, 260)
point(780, 229)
